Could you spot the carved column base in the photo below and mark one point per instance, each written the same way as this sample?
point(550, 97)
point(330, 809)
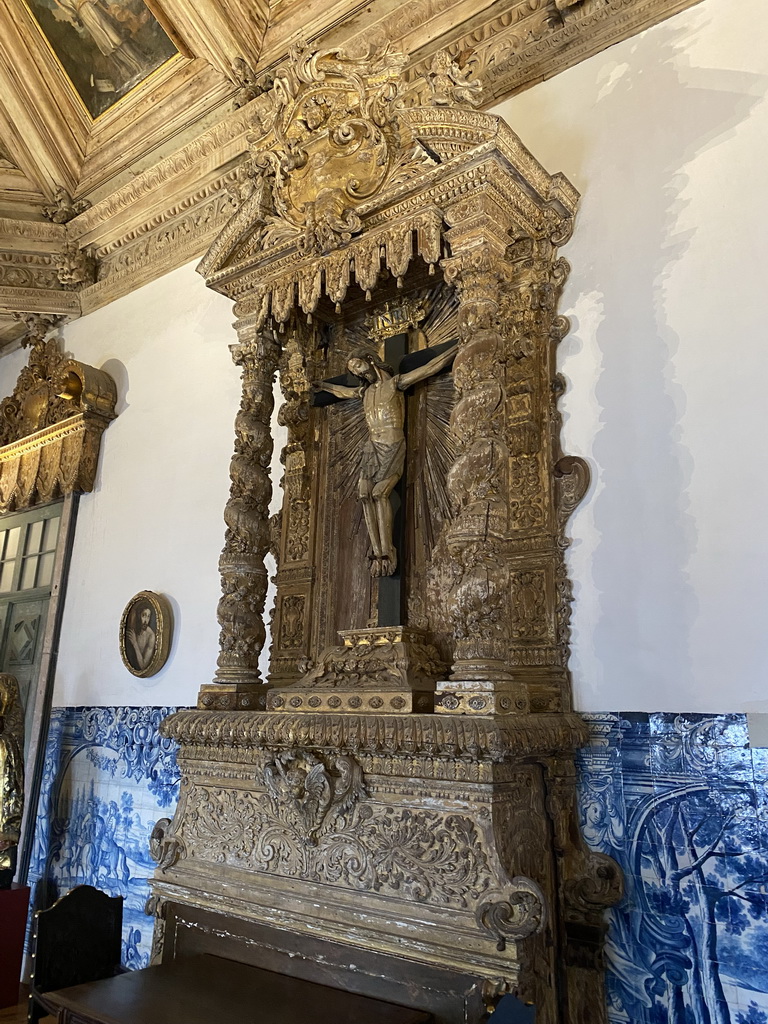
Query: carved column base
point(386, 669)
point(481, 682)
point(467, 697)
point(232, 696)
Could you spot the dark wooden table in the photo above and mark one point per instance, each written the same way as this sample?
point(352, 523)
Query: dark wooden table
point(209, 990)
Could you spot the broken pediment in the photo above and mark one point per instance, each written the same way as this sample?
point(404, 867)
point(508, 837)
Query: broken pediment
point(51, 427)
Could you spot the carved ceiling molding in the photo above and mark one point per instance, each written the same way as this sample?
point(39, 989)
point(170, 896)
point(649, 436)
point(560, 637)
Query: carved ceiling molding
point(218, 31)
point(169, 212)
point(41, 119)
point(511, 45)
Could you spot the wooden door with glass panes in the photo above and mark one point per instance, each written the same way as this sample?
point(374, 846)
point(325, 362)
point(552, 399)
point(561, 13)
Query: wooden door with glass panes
point(27, 554)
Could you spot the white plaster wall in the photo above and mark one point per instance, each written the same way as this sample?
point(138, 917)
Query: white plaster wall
point(154, 520)
point(666, 137)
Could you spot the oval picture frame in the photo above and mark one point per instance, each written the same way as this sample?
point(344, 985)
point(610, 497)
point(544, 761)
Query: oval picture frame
point(144, 653)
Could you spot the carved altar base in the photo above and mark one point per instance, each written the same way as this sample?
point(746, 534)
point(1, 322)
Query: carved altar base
point(425, 837)
point(386, 668)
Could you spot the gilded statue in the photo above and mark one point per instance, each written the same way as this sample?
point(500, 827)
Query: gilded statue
point(11, 776)
point(383, 457)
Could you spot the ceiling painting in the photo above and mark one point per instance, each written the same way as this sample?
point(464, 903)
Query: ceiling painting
point(105, 46)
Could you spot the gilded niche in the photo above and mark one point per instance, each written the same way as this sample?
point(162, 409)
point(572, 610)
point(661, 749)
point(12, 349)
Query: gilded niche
point(51, 426)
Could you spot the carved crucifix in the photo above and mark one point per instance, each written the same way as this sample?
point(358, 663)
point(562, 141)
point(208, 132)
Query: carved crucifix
point(383, 458)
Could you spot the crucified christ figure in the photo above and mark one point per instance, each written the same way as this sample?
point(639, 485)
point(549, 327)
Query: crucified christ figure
point(384, 451)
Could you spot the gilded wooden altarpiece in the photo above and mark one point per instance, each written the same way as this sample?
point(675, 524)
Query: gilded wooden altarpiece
point(404, 787)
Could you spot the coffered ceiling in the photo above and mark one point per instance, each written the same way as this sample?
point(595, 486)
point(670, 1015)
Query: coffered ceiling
point(123, 122)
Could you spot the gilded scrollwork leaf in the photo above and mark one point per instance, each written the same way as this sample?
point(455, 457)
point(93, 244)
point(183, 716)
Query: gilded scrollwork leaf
point(165, 847)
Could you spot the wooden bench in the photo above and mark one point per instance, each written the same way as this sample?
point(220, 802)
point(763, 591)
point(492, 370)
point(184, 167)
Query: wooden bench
point(207, 989)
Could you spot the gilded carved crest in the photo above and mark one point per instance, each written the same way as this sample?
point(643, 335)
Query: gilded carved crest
point(335, 141)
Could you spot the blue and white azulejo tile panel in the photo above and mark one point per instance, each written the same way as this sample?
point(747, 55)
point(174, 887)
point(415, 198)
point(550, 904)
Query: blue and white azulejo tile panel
point(680, 801)
point(108, 777)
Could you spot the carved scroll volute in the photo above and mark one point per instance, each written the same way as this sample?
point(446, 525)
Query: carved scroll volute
point(243, 574)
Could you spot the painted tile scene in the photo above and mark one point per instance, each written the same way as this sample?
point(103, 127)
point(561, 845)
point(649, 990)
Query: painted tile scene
point(109, 776)
point(106, 47)
point(680, 801)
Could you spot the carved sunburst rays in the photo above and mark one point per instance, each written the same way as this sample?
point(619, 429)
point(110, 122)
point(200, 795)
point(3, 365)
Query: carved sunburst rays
point(429, 494)
point(349, 433)
point(440, 323)
point(429, 467)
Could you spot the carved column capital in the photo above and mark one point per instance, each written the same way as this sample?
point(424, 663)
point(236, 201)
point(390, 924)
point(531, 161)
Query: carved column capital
point(244, 578)
point(479, 275)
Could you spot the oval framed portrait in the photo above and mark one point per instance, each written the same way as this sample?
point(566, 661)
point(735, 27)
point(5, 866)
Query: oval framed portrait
point(145, 633)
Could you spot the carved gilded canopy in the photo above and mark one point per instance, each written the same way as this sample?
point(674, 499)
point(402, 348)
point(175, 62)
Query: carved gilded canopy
point(51, 427)
point(346, 182)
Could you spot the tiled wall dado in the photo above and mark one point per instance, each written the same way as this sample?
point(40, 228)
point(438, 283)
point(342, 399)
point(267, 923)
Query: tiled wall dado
point(108, 777)
point(679, 800)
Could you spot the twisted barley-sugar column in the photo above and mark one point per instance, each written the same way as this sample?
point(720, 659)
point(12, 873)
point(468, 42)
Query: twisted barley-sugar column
point(244, 577)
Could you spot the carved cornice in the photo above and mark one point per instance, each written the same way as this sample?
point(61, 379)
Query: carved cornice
point(214, 148)
point(415, 735)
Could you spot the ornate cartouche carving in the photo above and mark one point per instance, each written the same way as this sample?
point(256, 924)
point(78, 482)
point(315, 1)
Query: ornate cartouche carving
point(11, 776)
